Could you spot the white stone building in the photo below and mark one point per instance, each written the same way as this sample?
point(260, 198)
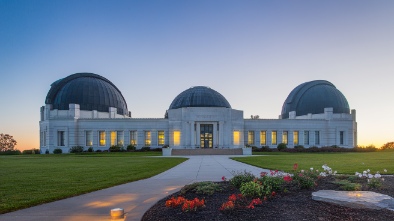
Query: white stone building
point(87, 110)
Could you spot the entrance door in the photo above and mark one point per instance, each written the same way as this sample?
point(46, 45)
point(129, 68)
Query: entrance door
point(206, 135)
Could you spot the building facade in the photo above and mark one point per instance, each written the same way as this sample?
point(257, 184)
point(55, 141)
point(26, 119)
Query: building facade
point(86, 109)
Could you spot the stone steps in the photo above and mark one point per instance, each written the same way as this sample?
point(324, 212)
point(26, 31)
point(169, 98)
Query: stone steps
point(208, 151)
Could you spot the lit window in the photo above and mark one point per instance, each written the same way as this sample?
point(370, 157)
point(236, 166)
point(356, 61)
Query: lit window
point(251, 137)
point(102, 138)
point(89, 138)
point(236, 137)
point(113, 138)
point(341, 137)
point(133, 137)
point(273, 137)
point(120, 138)
point(317, 137)
point(160, 137)
point(306, 137)
point(147, 138)
point(263, 137)
point(60, 138)
point(177, 138)
point(285, 137)
point(295, 137)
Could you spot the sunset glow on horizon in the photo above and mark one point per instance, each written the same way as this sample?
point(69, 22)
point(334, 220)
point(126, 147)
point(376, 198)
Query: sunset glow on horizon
point(252, 52)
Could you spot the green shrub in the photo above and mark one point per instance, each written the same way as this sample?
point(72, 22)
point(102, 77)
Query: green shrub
point(348, 186)
point(10, 152)
point(143, 149)
point(251, 189)
point(46, 151)
point(282, 146)
point(375, 183)
point(274, 182)
point(76, 149)
point(305, 180)
point(115, 148)
point(265, 149)
point(206, 188)
point(99, 151)
point(299, 147)
point(131, 147)
point(240, 178)
point(57, 151)
point(90, 149)
point(27, 152)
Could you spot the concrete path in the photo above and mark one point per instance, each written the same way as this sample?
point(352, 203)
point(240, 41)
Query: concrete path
point(135, 197)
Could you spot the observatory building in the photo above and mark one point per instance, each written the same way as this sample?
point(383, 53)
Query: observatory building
point(88, 110)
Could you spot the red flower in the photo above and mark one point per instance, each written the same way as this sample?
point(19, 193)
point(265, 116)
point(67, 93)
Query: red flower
point(232, 198)
point(287, 178)
point(262, 174)
point(273, 193)
point(295, 166)
point(224, 178)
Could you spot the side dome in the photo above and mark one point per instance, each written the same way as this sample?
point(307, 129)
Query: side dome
point(199, 96)
point(90, 91)
point(312, 97)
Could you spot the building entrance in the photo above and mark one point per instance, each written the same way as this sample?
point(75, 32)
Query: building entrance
point(206, 135)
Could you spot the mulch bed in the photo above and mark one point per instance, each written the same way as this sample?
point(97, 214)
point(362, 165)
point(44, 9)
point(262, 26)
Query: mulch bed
point(293, 205)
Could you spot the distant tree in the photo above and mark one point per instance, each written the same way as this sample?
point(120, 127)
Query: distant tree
point(254, 116)
point(389, 145)
point(7, 142)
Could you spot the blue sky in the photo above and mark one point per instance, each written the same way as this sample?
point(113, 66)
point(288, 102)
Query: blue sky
point(252, 52)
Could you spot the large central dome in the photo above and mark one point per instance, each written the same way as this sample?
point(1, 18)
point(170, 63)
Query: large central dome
point(199, 96)
point(90, 91)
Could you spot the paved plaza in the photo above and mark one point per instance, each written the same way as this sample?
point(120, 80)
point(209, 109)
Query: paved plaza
point(135, 197)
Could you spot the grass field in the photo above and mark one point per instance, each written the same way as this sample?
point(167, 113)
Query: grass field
point(27, 180)
point(345, 163)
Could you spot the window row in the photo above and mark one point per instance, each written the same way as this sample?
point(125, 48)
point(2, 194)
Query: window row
point(285, 137)
point(115, 138)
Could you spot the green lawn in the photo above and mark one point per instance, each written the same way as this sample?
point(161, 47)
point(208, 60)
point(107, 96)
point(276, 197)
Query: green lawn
point(27, 180)
point(345, 163)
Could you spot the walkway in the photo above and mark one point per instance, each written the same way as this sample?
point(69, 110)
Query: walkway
point(135, 197)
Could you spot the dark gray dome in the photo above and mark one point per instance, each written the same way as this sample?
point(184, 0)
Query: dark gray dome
point(199, 96)
point(90, 91)
point(312, 97)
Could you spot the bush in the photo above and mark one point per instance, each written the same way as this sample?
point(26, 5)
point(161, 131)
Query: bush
point(115, 148)
point(265, 149)
point(131, 148)
point(10, 152)
point(32, 151)
point(159, 149)
point(57, 151)
point(99, 151)
point(206, 187)
point(47, 151)
point(143, 149)
point(299, 148)
point(282, 146)
point(251, 190)
point(90, 149)
point(240, 178)
point(76, 149)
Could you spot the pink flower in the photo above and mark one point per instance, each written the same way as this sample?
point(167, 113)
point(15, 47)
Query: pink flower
point(262, 174)
point(224, 178)
point(287, 178)
point(295, 166)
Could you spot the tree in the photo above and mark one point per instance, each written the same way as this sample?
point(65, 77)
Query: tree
point(7, 142)
point(389, 145)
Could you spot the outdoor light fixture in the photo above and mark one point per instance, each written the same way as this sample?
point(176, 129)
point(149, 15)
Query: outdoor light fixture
point(117, 213)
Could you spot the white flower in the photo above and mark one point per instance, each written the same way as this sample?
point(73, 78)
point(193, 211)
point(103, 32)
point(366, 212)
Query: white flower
point(323, 174)
point(360, 175)
point(302, 171)
point(385, 170)
point(377, 175)
point(382, 179)
point(357, 173)
point(364, 172)
point(335, 172)
point(311, 168)
point(368, 171)
point(370, 176)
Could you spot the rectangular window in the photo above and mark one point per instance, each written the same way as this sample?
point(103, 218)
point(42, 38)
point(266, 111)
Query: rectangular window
point(160, 137)
point(147, 138)
point(45, 138)
point(133, 137)
point(102, 138)
point(306, 137)
point(251, 137)
point(285, 137)
point(120, 138)
point(341, 137)
point(60, 138)
point(273, 137)
point(317, 137)
point(263, 137)
point(113, 138)
point(177, 138)
point(236, 137)
point(295, 137)
point(89, 138)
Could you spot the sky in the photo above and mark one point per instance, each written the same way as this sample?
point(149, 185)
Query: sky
point(252, 52)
